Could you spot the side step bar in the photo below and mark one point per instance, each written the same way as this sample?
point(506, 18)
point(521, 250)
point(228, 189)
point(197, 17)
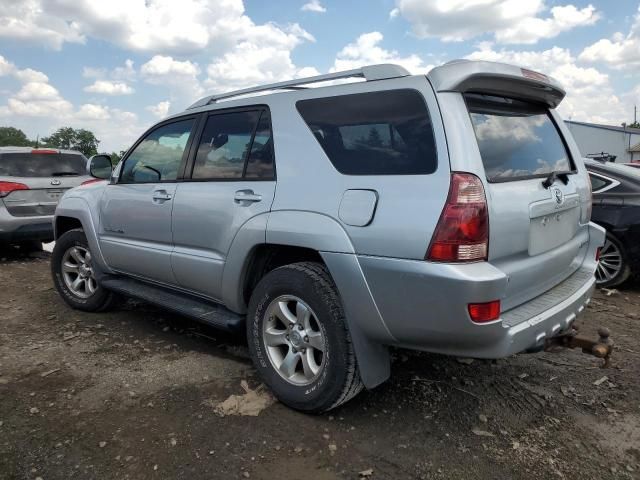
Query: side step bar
point(210, 313)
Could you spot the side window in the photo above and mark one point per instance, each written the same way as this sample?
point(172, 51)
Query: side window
point(260, 163)
point(226, 145)
point(597, 183)
point(374, 133)
point(158, 157)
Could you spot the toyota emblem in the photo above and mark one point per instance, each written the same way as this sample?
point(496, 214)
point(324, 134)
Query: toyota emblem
point(558, 195)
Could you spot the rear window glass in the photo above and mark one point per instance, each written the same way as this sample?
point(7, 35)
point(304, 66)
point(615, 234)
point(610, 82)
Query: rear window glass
point(374, 133)
point(42, 164)
point(517, 139)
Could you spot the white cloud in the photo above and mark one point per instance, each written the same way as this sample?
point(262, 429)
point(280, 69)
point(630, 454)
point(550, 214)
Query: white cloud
point(107, 87)
point(158, 26)
point(590, 95)
point(161, 65)
point(38, 99)
point(27, 21)
point(91, 111)
point(161, 109)
point(620, 52)
point(366, 50)
point(27, 75)
point(313, 6)
point(510, 21)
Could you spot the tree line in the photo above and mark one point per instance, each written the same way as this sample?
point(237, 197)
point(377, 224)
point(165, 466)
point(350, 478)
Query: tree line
point(65, 138)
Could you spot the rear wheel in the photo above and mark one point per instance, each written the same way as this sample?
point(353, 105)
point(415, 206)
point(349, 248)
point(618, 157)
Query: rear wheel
point(613, 268)
point(73, 274)
point(299, 341)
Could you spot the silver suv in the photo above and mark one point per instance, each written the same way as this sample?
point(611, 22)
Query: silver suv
point(31, 183)
point(447, 213)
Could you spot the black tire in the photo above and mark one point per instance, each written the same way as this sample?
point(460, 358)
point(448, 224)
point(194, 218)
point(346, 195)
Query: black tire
point(99, 301)
point(338, 380)
point(624, 271)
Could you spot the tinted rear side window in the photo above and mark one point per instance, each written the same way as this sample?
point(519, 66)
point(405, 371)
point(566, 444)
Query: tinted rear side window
point(374, 133)
point(517, 140)
point(42, 164)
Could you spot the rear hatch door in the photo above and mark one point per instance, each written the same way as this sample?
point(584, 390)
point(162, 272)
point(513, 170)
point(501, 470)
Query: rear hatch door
point(46, 176)
point(537, 209)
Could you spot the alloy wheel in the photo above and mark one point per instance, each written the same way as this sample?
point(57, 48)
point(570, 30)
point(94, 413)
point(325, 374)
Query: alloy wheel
point(294, 340)
point(610, 263)
point(77, 272)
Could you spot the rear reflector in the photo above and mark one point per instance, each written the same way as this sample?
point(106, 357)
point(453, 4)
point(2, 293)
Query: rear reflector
point(598, 254)
point(484, 312)
point(44, 150)
point(462, 233)
point(7, 187)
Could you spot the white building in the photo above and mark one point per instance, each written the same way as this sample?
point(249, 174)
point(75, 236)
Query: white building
point(623, 142)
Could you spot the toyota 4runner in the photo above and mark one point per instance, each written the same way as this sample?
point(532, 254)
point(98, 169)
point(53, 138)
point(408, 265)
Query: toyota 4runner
point(448, 213)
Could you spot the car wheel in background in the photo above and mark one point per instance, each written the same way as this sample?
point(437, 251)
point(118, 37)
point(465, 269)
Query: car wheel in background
point(73, 274)
point(299, 341)
point(613, 268)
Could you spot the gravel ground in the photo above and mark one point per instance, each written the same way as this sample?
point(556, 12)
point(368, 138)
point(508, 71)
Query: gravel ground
point(137, 393)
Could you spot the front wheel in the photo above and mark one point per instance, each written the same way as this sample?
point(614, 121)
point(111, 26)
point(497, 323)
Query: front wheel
point(73, 274)
point(613, 268)
point(299, 340)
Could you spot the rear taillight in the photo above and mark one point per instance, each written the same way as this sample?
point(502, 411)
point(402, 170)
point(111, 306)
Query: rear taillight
point(92, 180)
point(462, 233)
point(7, 187)
point(484, 312)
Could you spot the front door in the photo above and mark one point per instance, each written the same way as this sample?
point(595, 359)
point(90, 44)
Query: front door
point(135, 228)
point(232, 180)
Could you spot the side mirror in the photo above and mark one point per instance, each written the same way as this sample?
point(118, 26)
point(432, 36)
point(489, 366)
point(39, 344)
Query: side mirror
point(99, 166)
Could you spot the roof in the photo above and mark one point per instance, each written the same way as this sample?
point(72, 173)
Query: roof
point(635, 131)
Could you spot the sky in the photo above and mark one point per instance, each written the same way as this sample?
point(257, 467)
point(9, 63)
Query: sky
point(116, 67)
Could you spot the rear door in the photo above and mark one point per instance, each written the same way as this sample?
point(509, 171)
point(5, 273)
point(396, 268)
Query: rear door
point(44, 175)
point(538, 231)
point(232, 180)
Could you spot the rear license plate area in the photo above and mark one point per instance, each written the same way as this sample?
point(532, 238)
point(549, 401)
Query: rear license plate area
point(549, 231)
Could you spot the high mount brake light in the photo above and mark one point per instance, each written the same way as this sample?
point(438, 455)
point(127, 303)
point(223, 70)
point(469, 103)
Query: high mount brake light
point(462, 233)
point(47, 151)
point(7, 187)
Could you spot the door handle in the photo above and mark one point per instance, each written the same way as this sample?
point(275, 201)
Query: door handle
point(161, 196)
point(246, 197)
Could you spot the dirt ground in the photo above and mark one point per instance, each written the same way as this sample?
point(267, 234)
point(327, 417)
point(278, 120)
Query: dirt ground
point(133, 394)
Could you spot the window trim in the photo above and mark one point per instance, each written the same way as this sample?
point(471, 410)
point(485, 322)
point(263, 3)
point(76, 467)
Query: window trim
point(191, 163)
point(611, 182)
point(355, 175)
point(572, 162)
point(185, 154)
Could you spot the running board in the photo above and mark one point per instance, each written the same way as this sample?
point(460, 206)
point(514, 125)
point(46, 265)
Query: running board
point(210, 313)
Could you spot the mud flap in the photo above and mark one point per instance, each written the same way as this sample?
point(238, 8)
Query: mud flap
point(367, 330)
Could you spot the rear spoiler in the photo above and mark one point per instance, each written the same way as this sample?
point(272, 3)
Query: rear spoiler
point(466, 76)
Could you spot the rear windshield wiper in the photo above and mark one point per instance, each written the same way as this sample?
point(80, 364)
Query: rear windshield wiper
point(65, 174)
point(553, 176)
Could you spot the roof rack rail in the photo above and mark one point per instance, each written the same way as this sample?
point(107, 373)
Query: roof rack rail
point(369, 73)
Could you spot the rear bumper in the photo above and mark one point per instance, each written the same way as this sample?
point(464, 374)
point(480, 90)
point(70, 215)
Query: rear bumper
point(20, 229)
point(424, 305)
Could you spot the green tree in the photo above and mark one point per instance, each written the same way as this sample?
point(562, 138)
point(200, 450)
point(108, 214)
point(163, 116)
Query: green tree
point(13, 137)
point(634, 125)
point(116, 156)
point(71, 139)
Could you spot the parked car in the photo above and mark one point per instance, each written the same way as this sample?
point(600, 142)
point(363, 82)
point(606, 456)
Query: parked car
point(616, 207)
point(446, 213)
point(32, 181)
point(633, 164)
